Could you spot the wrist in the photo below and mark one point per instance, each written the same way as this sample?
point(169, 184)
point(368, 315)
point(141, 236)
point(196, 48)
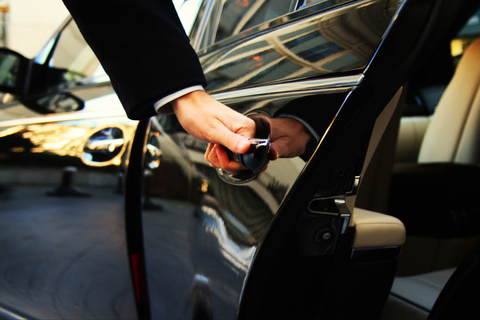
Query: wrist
point(189, 98)
point(165, 105)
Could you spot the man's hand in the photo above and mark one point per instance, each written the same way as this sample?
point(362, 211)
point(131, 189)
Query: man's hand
point(289, 139)
point(207, 119)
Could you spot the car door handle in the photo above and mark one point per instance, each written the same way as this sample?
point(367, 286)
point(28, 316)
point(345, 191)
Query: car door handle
point(103, 146)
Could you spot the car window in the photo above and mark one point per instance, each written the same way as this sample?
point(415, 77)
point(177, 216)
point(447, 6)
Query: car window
point(74, 56)
point(469, 32)
point(239, 15)
point(472, 27)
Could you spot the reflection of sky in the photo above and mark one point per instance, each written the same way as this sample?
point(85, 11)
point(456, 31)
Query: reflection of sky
point(177, 3)
point(188, 12)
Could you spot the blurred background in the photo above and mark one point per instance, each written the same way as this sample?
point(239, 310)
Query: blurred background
point(25, 25)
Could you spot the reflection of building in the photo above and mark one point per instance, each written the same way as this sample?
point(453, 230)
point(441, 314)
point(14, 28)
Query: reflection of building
point(322, 44)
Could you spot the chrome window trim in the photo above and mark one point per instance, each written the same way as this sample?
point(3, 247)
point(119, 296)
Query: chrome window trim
point(197, 38)
point(315, 86)
point(294, 5)
point(312, 86)
point(47, 50)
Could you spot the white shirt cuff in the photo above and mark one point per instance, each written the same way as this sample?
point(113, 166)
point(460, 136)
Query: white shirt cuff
point(166, 100)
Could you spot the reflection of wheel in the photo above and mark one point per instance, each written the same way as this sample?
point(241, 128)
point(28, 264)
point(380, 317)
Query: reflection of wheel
point(103, 146)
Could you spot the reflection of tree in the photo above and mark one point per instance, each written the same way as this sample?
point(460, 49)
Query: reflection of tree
point(277, 189)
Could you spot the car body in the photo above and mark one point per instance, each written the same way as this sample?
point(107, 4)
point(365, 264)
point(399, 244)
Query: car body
point(105, 217)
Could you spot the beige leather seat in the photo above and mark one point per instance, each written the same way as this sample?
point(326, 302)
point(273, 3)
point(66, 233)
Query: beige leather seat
point(435, 197)
point(451, 138)
point(453, 134)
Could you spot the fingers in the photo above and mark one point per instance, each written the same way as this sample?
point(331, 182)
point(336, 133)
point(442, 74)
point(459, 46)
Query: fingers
point(209, 120)
point(218, 157)
point(234, 142)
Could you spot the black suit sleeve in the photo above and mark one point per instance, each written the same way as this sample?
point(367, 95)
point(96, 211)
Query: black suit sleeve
point(143, 48)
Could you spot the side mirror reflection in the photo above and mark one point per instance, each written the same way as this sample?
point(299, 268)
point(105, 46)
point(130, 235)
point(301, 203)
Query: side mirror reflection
point(13, 71)
point(57, 103)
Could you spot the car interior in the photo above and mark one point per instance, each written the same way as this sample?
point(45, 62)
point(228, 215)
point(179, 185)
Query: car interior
point(427, 180)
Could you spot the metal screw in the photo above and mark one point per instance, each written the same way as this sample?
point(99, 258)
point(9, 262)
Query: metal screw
point(323, 235)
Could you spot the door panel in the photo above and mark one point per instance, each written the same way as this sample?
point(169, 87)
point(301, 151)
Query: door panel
point(202, 231)
point(200, 243)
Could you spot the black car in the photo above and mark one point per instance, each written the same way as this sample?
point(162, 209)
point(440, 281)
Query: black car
point(104, 217)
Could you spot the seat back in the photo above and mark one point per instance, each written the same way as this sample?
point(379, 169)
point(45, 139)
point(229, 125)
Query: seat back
point(453, 134)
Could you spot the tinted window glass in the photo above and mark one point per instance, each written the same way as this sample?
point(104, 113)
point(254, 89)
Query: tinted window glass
point(472, 27)
point(239, 15)
point(73, 55)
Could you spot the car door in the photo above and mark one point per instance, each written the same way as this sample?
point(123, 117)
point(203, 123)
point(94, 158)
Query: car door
point(274, 245)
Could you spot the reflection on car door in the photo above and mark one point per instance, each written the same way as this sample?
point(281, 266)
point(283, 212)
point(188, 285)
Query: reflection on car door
point(201, 237)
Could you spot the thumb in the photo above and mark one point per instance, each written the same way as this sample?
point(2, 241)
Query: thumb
point(234, 142)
